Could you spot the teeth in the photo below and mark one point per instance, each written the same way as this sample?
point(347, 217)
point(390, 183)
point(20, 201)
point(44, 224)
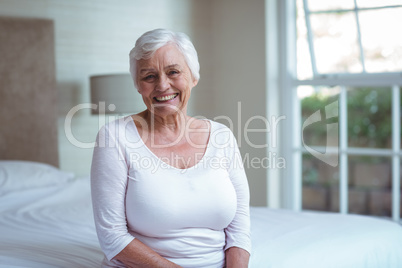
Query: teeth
point(165, 98)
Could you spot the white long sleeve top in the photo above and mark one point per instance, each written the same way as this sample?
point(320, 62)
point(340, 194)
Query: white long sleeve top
point(189, 216)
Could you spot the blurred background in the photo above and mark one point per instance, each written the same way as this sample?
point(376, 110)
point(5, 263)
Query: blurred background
point(260, 60)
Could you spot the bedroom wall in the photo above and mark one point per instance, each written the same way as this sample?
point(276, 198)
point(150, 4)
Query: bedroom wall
point(94, 37)
point(239, 82)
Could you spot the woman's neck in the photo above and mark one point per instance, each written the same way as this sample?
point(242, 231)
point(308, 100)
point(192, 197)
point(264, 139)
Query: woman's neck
point(173, 123)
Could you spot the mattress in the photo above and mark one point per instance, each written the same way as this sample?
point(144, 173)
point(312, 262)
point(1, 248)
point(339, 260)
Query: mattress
point(287, 239)
point(49, 226)
point(46, 220)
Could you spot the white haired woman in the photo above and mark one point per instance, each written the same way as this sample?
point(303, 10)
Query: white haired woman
point(169, 190)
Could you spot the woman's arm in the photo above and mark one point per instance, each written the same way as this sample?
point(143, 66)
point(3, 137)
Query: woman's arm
point(236, 258)
point(238, 236)
point(137, 254)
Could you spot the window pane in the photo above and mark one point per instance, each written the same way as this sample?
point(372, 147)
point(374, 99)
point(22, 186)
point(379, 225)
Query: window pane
point(335, 42)
point(400, 187)
point(370, 185)
point(304, 70)
point(369, 117)
point(381, 39)
point(320, 184)
point(315, 100)
point(315, 5)
point(377, 3)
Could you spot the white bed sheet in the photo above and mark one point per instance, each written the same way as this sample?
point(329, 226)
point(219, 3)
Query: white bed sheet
point(49, 227)
point(53, 226)
point(287, 239)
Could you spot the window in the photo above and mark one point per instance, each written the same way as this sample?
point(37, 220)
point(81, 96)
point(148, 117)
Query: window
point(342, 69)
point(348, 36)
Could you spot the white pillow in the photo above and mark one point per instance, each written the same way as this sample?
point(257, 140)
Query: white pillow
point(19, 175)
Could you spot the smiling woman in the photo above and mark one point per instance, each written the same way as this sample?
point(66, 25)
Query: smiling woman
point(169, 190)
point(165, 78)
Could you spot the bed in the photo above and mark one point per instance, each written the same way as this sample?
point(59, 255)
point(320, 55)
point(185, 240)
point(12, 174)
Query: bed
point(45, 218)
point(46, 221)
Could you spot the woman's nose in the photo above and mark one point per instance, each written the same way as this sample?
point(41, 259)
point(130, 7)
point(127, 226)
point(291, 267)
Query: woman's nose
point(163, 83)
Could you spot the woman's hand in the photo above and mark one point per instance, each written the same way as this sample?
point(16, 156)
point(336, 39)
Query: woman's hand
point(137, 254)
point(236, 258)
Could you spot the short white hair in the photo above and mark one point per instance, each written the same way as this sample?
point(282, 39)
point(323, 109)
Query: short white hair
point(151, 41)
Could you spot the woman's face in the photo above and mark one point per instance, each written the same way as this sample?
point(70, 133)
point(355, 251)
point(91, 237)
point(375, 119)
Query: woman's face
point(165, 81)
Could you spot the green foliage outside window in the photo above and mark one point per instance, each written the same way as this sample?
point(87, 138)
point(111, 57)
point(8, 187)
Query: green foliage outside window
point(369, 117)
point(369, 124)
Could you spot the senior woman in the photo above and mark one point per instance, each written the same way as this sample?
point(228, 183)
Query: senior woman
point(169, 190)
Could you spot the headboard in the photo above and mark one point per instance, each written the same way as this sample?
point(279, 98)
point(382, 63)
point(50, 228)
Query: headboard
point(28, 100)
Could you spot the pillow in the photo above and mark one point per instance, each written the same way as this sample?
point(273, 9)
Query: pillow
point(20, 175)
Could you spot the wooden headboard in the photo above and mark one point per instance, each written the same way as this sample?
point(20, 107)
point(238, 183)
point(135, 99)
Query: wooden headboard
point(28, 100)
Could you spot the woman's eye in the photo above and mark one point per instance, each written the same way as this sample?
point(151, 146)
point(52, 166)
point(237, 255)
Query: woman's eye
point(173, 72)
point(149, 77)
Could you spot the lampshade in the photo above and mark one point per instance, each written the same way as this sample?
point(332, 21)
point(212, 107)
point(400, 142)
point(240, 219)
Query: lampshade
point(115, 93)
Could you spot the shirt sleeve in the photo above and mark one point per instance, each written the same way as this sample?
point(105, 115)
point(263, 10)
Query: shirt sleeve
point(238, 231)
point(108, 189)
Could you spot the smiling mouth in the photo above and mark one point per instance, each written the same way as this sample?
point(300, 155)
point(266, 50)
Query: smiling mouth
point(166, 98)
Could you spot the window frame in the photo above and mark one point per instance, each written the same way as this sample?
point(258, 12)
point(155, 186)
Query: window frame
point(291, 145)
point(310, 37)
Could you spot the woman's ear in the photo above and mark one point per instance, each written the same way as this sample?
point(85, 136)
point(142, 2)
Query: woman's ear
point(195, 82)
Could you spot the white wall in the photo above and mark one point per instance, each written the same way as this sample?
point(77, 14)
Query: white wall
point(95, 36)
point(239, 78)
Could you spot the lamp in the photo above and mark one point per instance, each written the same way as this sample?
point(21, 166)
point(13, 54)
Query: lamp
point(115, 94)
